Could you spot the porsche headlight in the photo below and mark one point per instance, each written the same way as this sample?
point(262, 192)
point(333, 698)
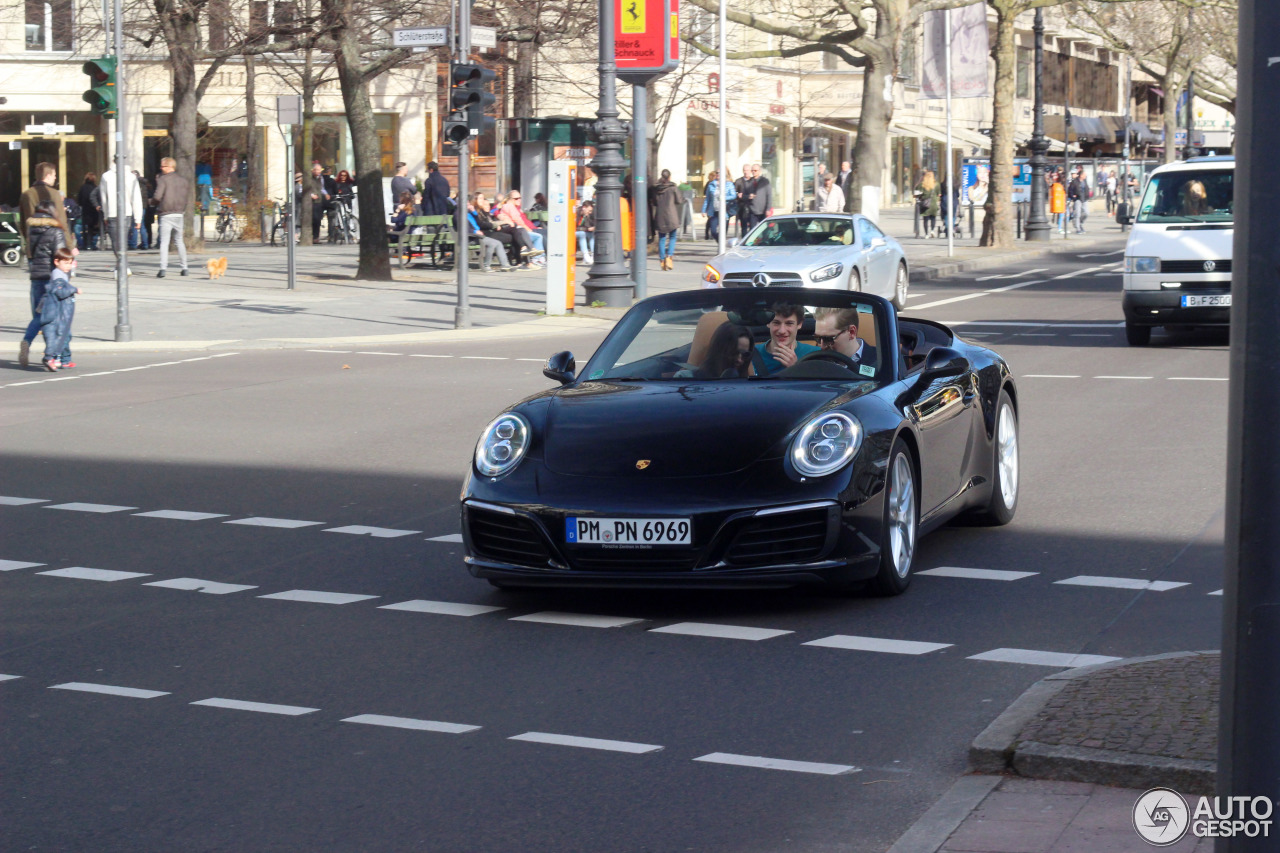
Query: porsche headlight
point(711, 275)
point(502, 445)
point(828, 272)
point(1141, 264)
point(826, 444)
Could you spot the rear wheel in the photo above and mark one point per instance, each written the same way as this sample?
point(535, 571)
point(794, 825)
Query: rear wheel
point(1005, 465)
point(901, 523)
point(1137, 336)
point(12, 255)
point(900, 285)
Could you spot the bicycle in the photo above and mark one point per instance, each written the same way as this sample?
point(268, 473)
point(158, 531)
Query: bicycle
point(282, 225)
point(345, 225)
point(225, 225)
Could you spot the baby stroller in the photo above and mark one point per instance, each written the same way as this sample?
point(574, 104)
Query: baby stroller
point(11, 247)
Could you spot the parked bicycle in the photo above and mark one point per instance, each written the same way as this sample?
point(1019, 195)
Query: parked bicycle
point(344, 227)
point(225, 226)
point(282, 225)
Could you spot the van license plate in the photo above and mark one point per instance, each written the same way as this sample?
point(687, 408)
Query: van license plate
point(1190, 301)
point(627, 531)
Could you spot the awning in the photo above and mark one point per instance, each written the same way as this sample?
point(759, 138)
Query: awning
point(960, 137)
point(1083, 128)
point(826, 125)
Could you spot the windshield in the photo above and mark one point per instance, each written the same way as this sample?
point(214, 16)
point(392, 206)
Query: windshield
point(719, 336)
point(802, 231)
point(1188, 196)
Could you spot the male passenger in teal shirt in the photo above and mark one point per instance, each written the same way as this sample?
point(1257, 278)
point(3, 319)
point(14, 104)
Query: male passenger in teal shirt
point(782, 350)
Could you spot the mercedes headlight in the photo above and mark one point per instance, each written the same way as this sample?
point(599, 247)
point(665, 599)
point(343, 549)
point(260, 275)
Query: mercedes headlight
point(828, 272)
point(1142, 265)
point(502, 445)
point(826, 443)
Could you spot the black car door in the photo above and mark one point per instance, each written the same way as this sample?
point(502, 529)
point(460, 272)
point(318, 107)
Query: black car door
point(944, 410)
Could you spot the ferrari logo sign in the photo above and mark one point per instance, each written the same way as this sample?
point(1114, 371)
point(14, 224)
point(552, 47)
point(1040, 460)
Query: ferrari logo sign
point(633, 15)
point(641, 464)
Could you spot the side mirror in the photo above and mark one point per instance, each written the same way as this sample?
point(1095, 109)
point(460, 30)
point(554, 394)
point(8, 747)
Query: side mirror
point(878, 242)
point(560, 367)
point(944, 361)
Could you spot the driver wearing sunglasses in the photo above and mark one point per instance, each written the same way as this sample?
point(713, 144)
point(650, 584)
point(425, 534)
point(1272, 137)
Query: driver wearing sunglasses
point(837, 329)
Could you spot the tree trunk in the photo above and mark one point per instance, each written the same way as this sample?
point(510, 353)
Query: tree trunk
point(1169, 114)
point(867, 162)
point(304, 156)
point(375, 262)
point(254, 188)
point(183, 128)
point(523, 83)
point(997, 225)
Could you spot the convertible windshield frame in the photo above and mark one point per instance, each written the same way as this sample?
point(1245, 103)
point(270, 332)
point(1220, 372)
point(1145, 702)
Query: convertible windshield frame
point(1166, 199)
point(655, 340)
point(795, 232)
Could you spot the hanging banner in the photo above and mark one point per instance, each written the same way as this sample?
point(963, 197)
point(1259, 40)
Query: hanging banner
point(646, 39)
point(970, 53)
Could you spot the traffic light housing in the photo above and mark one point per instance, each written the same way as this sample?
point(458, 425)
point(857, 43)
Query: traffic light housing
point(469, 97)
point(101, 94)
point(455, 128)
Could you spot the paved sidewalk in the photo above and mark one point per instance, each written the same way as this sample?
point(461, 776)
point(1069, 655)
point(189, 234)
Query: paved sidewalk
point(1075, 752)
point(252, 307)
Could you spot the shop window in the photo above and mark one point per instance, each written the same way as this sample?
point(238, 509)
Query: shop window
point(49, 25)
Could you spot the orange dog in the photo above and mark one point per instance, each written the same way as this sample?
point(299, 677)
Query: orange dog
point(217, 267)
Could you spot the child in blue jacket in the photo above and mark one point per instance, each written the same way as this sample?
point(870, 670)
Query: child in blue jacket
point(57, 311)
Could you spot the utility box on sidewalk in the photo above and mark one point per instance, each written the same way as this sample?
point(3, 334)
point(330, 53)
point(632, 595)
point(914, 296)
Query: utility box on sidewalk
point(561, 235)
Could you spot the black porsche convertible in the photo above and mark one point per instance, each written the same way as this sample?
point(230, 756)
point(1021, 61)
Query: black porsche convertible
point(682, 456)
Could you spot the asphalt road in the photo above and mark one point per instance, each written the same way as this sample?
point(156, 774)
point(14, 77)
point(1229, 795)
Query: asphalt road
point(420, 709)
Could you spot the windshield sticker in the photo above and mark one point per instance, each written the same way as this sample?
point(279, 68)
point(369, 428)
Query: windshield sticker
point(867, 370)
point(596, 374)
point(864, 309)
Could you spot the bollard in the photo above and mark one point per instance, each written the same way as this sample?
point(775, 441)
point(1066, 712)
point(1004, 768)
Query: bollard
point(971, 218)
point(1018, 210)
point(915, 207)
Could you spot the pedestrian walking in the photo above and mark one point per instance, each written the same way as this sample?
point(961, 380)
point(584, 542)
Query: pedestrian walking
point(171, 205)
point(744, 209)
point(89, 219)
point(1077, 199)
point(132, 212)
point(665, 201)
point(57, 310)
point(45, 234)
point(759, 196)
point(1058, 202)
point(711, 204)
point(323, 192)
point(830, 198)
point(928, 202)
point(435, 192)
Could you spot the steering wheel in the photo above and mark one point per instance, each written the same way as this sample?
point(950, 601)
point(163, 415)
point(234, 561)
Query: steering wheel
point(832, 356)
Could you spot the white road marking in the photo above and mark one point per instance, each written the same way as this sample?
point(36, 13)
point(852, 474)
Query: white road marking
point(1088, 335)
point(581, 620)
point(1036, 335)
point(587, 742)
point(1016, 323)
point(1123, 377)
point(260, 707)
point(1216, 592)
point(85, 574)
point(109, 690)
point(375, 532)
point(449, 537)
point(1199, 379)
point(726, 632)
point(11, 501)
point(1063, 660)
point(288, 523)
point(427, 355)
point(976, 295)
point(1121, 583)
point(61, 378)
point(539, 360)
point(977, 574)
point(877, 644)
point(9, 677)
point(197, 585)
point(1101, 254)
point(180, 515)
point(1080, 272)
point(441, 608)
point(345, 351)
point(778, 764)
point(486, 357)
point(1010, 274)
point(410, 723)
point(16, 384)
point(14, 565)
point(376, 353)
point(1050, 376)
point(313, 596)
point(83, 507)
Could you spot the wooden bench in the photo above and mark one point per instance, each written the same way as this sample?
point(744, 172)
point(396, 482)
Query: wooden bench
point(434, 240)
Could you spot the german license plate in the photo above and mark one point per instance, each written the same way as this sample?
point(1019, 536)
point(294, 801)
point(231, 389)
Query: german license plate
point(627, 531)
point(1206, 301)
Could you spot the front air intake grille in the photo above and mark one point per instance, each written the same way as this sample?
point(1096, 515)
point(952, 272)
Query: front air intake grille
point(507, 538)
point(792, 537)
point(775, 279)
point(1195, 266)
point(634, 559)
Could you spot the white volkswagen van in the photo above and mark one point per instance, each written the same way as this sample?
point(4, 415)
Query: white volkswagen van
point(1177, 264)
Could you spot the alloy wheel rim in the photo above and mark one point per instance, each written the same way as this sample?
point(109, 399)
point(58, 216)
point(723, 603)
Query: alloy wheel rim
point(902, 285)
point(902, 515)
point(1008, 450)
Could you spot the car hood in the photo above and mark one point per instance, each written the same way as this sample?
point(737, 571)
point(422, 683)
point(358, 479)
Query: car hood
point(1189, 242)
point(693, 429)
point(784, 258)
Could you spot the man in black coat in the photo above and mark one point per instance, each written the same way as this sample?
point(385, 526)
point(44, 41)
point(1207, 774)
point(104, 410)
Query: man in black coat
point(323, 191)
point(435, 192)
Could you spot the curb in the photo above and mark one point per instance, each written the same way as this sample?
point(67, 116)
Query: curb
point(936, 825)
point(997, 749)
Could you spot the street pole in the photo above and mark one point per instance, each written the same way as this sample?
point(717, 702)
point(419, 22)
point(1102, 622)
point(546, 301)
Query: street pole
point(1249, 739)
point(1124, 175)
point(1038, 227)
point(124, 332)
point(722, 155)
point(1066, 177)
point(291, 208)
point(951, 178)
point(640, 188)
point(461, 249)
point(607, 280)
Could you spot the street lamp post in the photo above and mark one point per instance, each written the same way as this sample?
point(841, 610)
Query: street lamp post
point(608, 281)
point(1038, 227)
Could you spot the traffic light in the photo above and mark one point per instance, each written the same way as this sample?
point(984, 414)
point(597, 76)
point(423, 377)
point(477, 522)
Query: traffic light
point(455, 128)
point(101, 94)
point(469, 96)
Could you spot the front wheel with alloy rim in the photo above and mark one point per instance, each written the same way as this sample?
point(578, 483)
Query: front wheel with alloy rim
point(1004, 465)
point(900, 529)
point(900, 285)
point(855, 281)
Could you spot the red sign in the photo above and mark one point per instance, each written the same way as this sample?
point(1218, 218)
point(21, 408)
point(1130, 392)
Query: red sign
point(645, 38)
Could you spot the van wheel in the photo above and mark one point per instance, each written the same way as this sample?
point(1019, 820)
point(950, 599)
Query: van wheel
point(1137, 336)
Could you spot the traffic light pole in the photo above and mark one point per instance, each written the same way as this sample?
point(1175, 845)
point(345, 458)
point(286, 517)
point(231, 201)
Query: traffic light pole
point(124, 332)
point(461, 251)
